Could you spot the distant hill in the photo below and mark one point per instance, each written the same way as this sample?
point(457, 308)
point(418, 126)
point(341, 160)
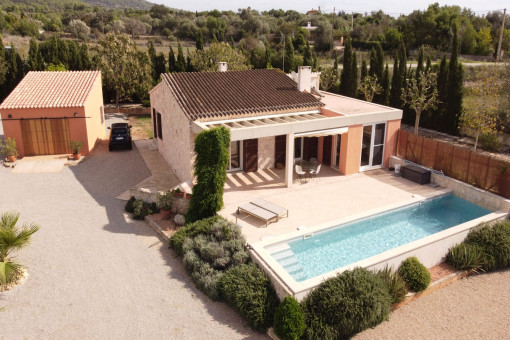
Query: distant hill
point(136, 4)
point(48, 5)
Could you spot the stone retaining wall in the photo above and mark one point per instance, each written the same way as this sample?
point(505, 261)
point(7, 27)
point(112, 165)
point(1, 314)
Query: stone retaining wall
point(131, 109)
point(179, 204)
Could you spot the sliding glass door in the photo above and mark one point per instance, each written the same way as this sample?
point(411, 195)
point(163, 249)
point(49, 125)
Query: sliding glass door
point(372, 146)
point(234, 162)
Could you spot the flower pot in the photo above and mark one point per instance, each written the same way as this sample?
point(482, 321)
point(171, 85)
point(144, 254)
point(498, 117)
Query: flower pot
point(11, 158)
point(76, 156)
point(165, 214)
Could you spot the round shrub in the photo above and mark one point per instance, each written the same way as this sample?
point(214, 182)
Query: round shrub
point(201, 227)
point(247, 289)
point(130, 208)
point(494, 239)
point(345, 305)
point(414, 274)
point(466, 256)
point(395, 284)
point(289, 320)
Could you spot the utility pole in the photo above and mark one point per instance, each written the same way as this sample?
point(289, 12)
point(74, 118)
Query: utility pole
point(352, 21)
point(498, 57)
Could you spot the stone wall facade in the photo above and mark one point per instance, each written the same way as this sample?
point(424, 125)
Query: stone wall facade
point(266, 152)
point(176, 144)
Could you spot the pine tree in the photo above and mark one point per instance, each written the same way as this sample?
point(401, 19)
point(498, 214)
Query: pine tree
point(346, 76)
point(289, 55)
point(172, 65)
point(199, 40)
point(307, 55)
point(454, 88)
point(33, 52)
point(180, 65)
point(385, 84)
point(396, 85)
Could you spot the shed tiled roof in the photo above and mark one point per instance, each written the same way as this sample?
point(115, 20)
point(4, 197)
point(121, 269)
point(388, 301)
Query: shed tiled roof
point(51, 90)
point(211, 95)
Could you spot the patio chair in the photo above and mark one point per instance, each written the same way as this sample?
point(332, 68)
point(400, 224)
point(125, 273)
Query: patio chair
point(315, 172)
point(300, 172)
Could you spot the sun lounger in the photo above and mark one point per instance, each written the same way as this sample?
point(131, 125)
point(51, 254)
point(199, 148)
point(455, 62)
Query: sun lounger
point(279, 211)
point(258, 212)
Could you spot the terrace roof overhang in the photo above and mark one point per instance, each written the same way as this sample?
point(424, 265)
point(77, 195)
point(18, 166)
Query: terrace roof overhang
point(299, 124)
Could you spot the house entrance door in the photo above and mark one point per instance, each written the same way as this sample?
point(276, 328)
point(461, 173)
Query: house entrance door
point(45, 136)
point(251, 155)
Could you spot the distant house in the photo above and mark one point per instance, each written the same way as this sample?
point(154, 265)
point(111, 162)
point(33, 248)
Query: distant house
point(48, 109)
point(274, 120)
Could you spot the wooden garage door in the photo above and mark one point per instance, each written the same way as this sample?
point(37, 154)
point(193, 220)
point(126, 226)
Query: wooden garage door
point(45, 136)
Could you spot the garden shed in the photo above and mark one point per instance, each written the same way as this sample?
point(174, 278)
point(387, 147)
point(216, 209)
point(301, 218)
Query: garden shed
point(49, 109)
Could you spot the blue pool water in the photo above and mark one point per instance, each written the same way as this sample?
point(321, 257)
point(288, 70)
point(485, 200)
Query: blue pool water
point(360, 239)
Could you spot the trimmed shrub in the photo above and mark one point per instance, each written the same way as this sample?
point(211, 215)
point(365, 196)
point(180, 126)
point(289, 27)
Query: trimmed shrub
point(247, 289)
point(414, 274)
point(130, 208)
point(494, 239)
point(395, 284)
point(466, 256)
point(210, 170)
point(208, 256)
point(345, 305)
point(289, 320)
point(191, 230)
point(142, 209)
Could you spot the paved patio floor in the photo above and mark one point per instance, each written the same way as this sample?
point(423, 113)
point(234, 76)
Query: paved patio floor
point(330, 197)
point(93, 272)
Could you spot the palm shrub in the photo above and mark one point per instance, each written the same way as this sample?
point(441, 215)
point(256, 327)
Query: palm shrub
point(414, 274)
point(346, 304)
point(248, 290)
point(208, 256)
point(12, 238)
point(210, 170)
point(494, 239)
point(395, 284)
point(466, 256)
point(289, 320)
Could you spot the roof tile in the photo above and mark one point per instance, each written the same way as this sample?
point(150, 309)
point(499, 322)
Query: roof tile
point(51, 89)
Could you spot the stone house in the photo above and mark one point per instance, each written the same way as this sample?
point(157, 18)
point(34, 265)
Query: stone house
point(274, 120)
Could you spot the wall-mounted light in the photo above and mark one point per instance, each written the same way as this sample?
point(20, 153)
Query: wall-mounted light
point(9, 116)
point(76, 114)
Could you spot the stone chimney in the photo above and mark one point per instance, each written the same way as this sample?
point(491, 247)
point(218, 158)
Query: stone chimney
point(304, 81)
point(222, 66)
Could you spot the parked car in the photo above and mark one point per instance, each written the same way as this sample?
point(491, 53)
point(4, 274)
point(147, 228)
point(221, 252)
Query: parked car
point(120, 136)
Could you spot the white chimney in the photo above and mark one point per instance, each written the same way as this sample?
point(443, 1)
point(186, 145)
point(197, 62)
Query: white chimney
point(222, 66)
point(304, 81)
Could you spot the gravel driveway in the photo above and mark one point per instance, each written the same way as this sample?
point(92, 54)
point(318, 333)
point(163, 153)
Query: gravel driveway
point(93, 272)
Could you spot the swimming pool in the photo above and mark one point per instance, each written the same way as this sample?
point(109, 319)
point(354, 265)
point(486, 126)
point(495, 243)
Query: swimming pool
point(321, 252)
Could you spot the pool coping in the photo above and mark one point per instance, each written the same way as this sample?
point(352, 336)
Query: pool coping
point(298, 289)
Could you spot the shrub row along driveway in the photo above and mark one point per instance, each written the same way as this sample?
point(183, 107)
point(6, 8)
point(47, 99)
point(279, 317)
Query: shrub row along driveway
point(95, 273)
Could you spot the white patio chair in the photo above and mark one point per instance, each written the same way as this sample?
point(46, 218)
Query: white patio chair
point(315, 172)
point(300, 172)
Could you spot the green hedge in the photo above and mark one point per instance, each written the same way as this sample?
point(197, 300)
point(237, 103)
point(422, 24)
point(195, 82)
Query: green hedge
point(247, 289)
point(494, 240)
point(345, 305)
point(210, 170)
point(414, 274)
point(289, 320)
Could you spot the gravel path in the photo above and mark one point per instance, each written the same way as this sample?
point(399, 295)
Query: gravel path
point(93, 272)
point(477, 307)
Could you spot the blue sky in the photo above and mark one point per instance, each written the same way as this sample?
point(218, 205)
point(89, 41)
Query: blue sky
point(393, 7)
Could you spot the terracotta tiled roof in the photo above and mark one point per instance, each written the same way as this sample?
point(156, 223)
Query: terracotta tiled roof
point(235, 94)
point(51, 89)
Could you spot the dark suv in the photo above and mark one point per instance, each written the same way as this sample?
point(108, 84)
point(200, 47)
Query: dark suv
point(120, 136)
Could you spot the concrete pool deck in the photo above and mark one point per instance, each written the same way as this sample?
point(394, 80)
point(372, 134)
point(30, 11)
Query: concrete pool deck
point(330, 197)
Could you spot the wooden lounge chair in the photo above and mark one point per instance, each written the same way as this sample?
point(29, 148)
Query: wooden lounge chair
point(276, 209)
point(258, 212)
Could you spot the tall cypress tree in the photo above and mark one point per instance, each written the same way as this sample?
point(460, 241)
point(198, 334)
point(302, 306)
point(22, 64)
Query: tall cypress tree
point(346, 76)
point(377, 69)
point(74, 60)
point(268, 54)
point(171, 60)
point(84, 57)
point(152, 57)
point(289, 55)
point(307, 55)
point(180, 65)
point(364, 73)
point(408, 113)
point(335, 65)
point(396, 85)
point(33, 52)
point(160, 64)
point(3, 82)
point(199, 40)
point(419, 66)
point(385, 85)
point(454, 88)
point(189, 65)
point(353, 91)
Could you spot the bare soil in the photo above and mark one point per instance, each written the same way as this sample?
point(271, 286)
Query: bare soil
point(141, 127)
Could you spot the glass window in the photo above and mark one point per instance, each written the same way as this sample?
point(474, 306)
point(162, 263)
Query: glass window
point(235, 155)
point(298, 148)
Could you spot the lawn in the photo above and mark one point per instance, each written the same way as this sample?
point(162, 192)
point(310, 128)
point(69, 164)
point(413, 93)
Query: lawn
point(141, 127)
